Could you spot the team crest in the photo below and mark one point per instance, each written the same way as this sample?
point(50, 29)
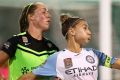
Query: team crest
point(7, 45)
point(90, 59)
point(68, 62)
point(25, 39)
point(49, 45)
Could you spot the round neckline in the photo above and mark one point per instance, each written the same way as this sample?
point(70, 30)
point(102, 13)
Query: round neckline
point(74, 53)
point(34, 38)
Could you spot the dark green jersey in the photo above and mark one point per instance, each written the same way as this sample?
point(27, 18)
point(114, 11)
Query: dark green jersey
point(26, 53)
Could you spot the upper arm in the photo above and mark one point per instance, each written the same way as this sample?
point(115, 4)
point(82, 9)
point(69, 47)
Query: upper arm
point(27, 76)
point(49, 68)
point(3, 57)
point(8, 49)
point(104, 59)
point(31, 76)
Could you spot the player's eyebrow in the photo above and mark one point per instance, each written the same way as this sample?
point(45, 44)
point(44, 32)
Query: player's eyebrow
point(86, 25)
point(44, 9)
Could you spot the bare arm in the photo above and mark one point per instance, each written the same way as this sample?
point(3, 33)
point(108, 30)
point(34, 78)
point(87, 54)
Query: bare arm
point(3, 58)
point(116, 65)
point(28, 76)
point(31, 76)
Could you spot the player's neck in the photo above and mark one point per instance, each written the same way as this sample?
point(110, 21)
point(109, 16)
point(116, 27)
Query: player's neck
point(35, 33)
point(73, 46)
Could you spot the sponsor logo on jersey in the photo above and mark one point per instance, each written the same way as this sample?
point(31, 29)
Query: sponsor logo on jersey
point(7, 45)
point(90, 59)
point(27, 44)
point(25, 39)
point(68, 63)
point(25, 70)
point(49, 45)
point(81, 71)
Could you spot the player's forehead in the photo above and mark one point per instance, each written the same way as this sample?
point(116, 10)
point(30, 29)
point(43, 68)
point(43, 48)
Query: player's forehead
point(41, 6)
point(82, 23)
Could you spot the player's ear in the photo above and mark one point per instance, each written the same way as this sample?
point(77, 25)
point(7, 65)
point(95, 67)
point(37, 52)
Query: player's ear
point(31, 17)
point(71, 31)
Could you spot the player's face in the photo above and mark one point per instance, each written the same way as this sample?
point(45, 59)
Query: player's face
point(41, 17)
point(82, 33)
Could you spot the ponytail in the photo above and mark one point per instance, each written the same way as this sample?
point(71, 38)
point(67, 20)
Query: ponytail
point(23, 21)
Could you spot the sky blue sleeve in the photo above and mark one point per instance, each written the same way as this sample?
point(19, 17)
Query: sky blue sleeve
point(49, 68)
point(104, 60)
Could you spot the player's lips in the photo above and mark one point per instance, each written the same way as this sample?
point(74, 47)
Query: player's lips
point(89, 38)
point(48, 21)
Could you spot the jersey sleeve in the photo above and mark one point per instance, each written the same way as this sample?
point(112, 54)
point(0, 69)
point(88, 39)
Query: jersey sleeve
point(104, 59)
point(49, 68)
point(9, 47)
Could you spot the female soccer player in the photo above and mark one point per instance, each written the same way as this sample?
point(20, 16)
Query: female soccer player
point(29, 49)
point(75, 62)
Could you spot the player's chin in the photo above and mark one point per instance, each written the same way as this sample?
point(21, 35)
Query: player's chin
point(84, 44)
point(87, 41)
point(46, 28)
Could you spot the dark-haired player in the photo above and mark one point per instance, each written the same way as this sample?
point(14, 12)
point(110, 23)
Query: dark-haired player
point(75, 62)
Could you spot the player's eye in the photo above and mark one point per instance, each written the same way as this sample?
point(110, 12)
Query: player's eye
point(43, 12)
point(85, 28)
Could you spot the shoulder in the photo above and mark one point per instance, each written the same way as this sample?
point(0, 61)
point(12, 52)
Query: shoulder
point(10, 45)
point(92, 49)
point(48, 41)
point(50, 44)
point(15, 39)
point(21, 34)
point(95, 51)
point(54, 57)
point(18, 36)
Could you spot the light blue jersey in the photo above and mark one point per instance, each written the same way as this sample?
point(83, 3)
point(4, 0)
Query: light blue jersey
point(68, 65)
